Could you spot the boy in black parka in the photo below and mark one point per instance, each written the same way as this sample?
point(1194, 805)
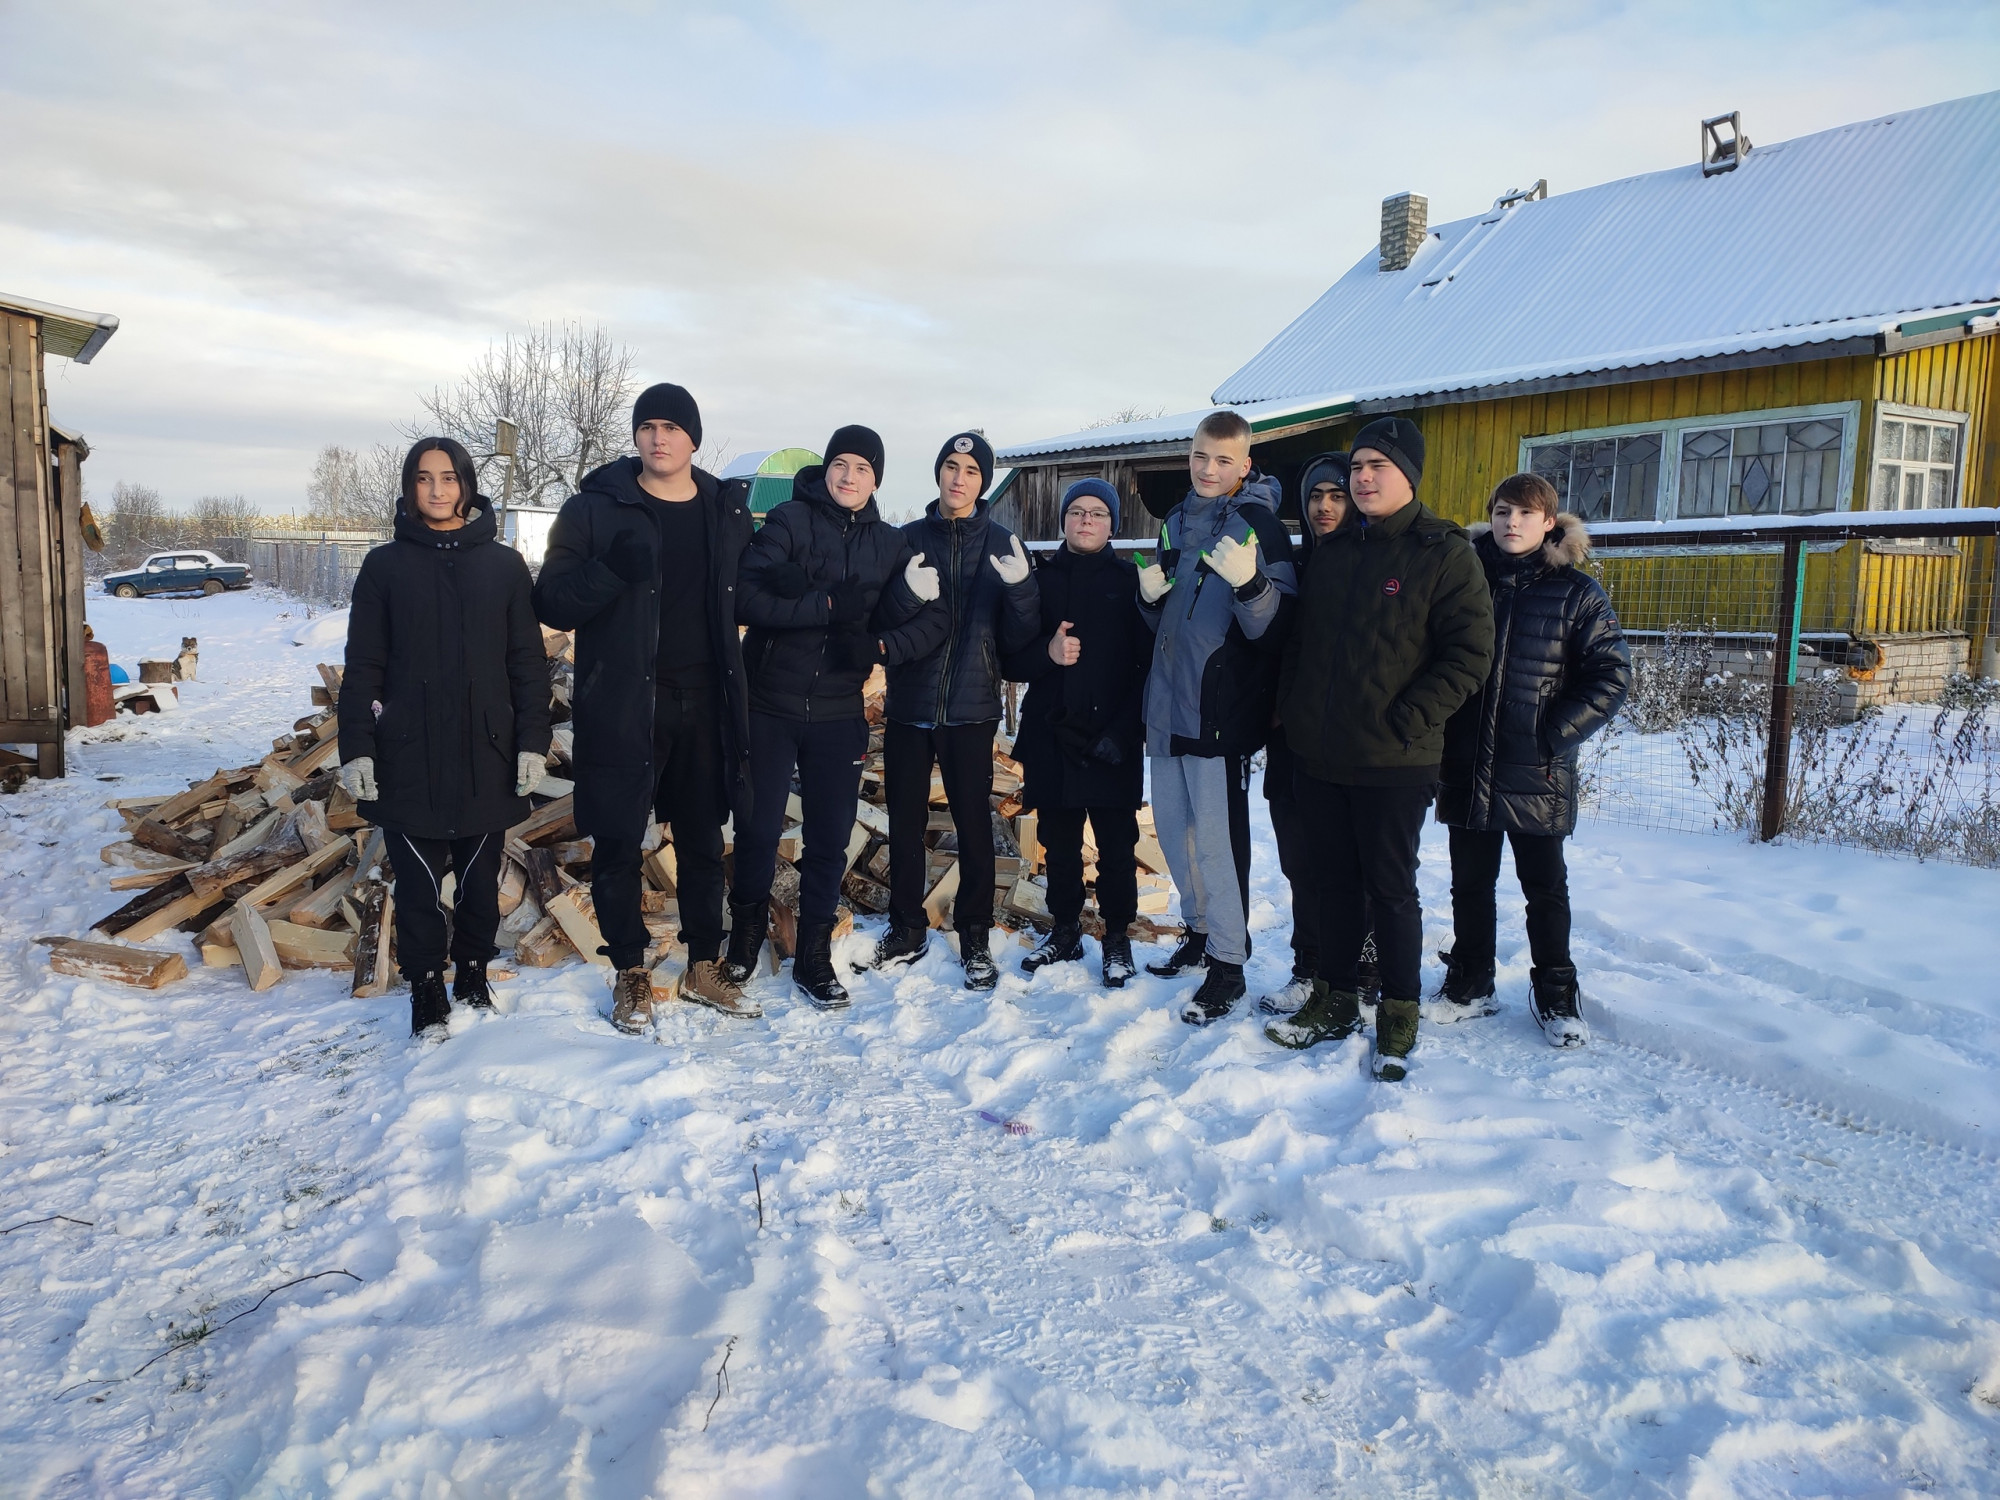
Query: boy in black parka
point(830, 591)
point(442, 634)
point(1082, 740)
point(1561, 671)
point(944, 708)
point(642, 564)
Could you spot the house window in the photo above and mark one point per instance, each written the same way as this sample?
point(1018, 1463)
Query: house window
point(1916, 458)
point(1765, 469)
point(1605, 479)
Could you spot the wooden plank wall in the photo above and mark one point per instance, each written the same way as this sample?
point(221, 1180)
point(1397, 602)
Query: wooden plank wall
point(28, 687)
point(68, 532)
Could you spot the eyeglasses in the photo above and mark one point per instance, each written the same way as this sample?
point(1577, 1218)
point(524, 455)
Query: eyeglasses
point(1083, 514)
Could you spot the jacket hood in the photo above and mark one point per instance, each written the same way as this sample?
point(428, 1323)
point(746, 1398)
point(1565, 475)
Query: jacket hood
point(620, 480)
point(1568, 546)
point(809, 485)
point(479, 527)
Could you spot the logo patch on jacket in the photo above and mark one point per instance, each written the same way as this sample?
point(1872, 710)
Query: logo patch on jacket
point(1393, 587)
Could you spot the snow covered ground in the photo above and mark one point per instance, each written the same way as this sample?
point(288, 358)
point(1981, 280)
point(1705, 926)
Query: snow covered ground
point(1748, 1243)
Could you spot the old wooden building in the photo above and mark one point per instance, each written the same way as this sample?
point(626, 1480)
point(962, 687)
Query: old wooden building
point(1792, 328)
point(41, 530)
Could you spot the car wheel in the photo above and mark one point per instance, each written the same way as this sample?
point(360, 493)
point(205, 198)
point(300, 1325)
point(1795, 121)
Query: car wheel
point(126, 591)
point(211, 586)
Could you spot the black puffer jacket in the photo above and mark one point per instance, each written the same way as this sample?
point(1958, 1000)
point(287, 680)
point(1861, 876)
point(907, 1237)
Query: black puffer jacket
point(1394, 632)
point(1082, 741)
point(1561, 669)
point(959, 683)
point(801, 665)
point(442, 634)
point(617, 629)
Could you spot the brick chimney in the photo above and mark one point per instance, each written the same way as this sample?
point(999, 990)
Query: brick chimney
point(1406, 220)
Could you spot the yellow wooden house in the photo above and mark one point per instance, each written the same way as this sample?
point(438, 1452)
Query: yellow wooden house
point(1789, 329)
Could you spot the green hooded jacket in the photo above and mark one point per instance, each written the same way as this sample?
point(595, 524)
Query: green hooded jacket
point(1394, 631)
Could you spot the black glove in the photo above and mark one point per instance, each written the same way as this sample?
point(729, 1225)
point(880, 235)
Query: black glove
point(630, 556)
point(854, 651)
point(787, 581)
point(849, 601)
point(1107, 751)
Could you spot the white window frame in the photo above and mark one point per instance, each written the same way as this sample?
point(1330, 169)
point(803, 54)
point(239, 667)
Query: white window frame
point(1672, 428)
point(1895, 411)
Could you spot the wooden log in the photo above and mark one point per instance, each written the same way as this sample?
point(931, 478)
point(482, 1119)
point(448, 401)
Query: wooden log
point(330, 676)
point(1149, 854)
point(185, 804)
point(145, 880)
point(669, 972)
point(874, 819)
point(310, 948)
point(513, 885)
point(658, 904)
point(865, 894)
point(321, 908)
point(251, 864)
point(260, 831)
point(572, 851)
point(343, 814)
point(190, 908)
point(321, 697)
point(544, 875)
point(221, 956)
point(320, 753)
point(546, 824)
point(138, 857)
point(545, 946)
point(662, 868)
point(373, 977)
point(311, 826)
point(274, 777)
point(142, 967)
point(253, 943)
point(313, 865)
point(576, 916)
point(169, 891)
point(155, 835)
point(937, 905)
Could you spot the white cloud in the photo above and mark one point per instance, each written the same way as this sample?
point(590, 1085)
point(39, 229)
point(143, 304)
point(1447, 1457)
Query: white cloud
point(1018, 217)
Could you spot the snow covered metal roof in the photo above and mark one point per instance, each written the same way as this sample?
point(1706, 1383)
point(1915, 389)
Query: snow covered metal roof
point(1172, 431)
point(66, 331)
point(1828, 239)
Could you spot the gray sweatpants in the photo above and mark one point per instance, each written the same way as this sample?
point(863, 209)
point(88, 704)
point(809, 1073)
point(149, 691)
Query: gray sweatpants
point(1191, 817)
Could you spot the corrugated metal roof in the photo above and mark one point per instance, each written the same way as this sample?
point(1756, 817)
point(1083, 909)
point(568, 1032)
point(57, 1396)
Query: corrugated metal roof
point(1178, 428)
point(1820, 239)
point(67, 331)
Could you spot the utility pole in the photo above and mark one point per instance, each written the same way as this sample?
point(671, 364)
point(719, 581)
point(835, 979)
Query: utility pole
point(506, 438)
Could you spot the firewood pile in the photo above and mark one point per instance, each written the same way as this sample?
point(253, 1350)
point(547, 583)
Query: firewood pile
point(273, 868)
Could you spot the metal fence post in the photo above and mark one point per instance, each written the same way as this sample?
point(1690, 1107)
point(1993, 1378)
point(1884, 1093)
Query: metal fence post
point(1784, 680)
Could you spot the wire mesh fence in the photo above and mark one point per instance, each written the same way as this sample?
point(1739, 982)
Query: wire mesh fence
point(1831, 679)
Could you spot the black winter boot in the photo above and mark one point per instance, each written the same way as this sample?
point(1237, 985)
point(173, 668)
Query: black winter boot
point(748, 922)
point(1118, 965)
point(1556, 1008)
point(812, 968)
point(429, 1006)
point(901, 946)
point(1467, 991)
point(468, 984)
point(1218, 994)
point(1063, 946)
point(1368, 973)
point(1329, 1015)
point(981, 973)
point(1190, 956)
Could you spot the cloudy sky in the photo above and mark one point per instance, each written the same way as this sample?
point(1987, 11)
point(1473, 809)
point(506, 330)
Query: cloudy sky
point(923, 215)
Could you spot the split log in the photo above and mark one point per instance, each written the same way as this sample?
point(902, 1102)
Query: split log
point(343, 814)
point(275, 778)
point(669, 972)
point(167, 893)
point(182, 804)
point(937, 905)
point(513, 885)
point(137, 857)
point(311, 826)
point(154, 834)
point(865, 894)
point(321, 908)
point(662, 867)
point(545, 946)
point(330, 676)
point(322, 752)
point(313, 865)
point(253, 944)
point(373, 977)
point(310, 948)
point(545, 877)
point(221, 956)
point(113, 961)
point(145, 880)
point(251, 864)
point(546, 824)
point(257, 833)
point(573, 911)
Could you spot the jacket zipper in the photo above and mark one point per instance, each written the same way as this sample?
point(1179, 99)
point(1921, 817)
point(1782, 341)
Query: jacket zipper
point(951, 640)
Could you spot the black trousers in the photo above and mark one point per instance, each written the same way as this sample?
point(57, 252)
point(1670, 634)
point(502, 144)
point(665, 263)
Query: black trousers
point(1239, 835)
point(1115, 831)
point(1364, 841)
point(1475, 871)
point(1296, 860)
point(827, 755)
point(687, 797)
point(963, 754)
point(421, 920)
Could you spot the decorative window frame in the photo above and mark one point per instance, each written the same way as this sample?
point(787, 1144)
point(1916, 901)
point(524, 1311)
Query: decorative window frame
point(1898, 411)
point(1671, 429)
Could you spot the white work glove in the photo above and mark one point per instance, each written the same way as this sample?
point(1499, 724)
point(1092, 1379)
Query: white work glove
point(530, 768)
point(1064, 648)
point(923, 581)
point(357, 779)
point(1012, 570)
point(1154, 583)
point(1234, 563)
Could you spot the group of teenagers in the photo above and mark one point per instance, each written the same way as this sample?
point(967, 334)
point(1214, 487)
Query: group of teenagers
point(1387, 662)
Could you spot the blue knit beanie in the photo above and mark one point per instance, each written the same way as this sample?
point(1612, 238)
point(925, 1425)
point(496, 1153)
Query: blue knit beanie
point(1101, 489)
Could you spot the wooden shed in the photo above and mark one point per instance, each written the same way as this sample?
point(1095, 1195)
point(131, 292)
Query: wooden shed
point(41, 530)
point(1787, 329)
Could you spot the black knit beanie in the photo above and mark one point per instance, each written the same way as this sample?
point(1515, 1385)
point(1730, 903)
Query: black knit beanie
point(972, 446)
point(858, 442)
point(1397, 439)
point(668, 403)
point(1321, 468)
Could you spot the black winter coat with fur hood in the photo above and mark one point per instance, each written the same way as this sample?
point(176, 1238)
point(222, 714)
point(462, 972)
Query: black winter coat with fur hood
point(1561, 670)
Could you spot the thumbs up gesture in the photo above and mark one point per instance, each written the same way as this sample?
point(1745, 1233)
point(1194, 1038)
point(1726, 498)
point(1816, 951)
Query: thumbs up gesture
point(1064, 648)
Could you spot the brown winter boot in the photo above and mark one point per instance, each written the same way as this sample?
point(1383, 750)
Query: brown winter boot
point(632, 1011)
point(708, 983)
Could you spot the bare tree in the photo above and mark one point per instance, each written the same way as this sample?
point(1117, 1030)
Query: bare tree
point(333, 488)
point(218, 517)
point(379, 486)
point(1128, 414)
point(569, 389)
point(139, 522)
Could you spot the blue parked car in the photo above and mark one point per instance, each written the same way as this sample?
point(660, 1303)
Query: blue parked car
point(188, 572)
